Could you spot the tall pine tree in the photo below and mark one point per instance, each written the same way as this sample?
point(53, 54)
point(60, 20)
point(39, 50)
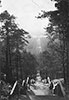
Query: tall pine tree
point(12, 39)
point(60, 19)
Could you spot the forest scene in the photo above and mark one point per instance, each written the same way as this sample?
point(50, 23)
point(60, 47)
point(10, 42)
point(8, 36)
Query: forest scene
point(34, 50)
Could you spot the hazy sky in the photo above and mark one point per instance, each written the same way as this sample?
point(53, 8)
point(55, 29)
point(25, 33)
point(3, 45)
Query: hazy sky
point(26, 10)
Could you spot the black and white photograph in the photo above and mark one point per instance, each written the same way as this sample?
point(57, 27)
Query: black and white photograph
point(34, 49)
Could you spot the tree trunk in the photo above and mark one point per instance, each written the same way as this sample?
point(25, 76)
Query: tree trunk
point(64, 69)
point(8, 69)
point(68, 62)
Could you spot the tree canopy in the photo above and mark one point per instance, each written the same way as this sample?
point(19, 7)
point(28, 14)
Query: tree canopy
point(16, 63)
point(58, 27)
